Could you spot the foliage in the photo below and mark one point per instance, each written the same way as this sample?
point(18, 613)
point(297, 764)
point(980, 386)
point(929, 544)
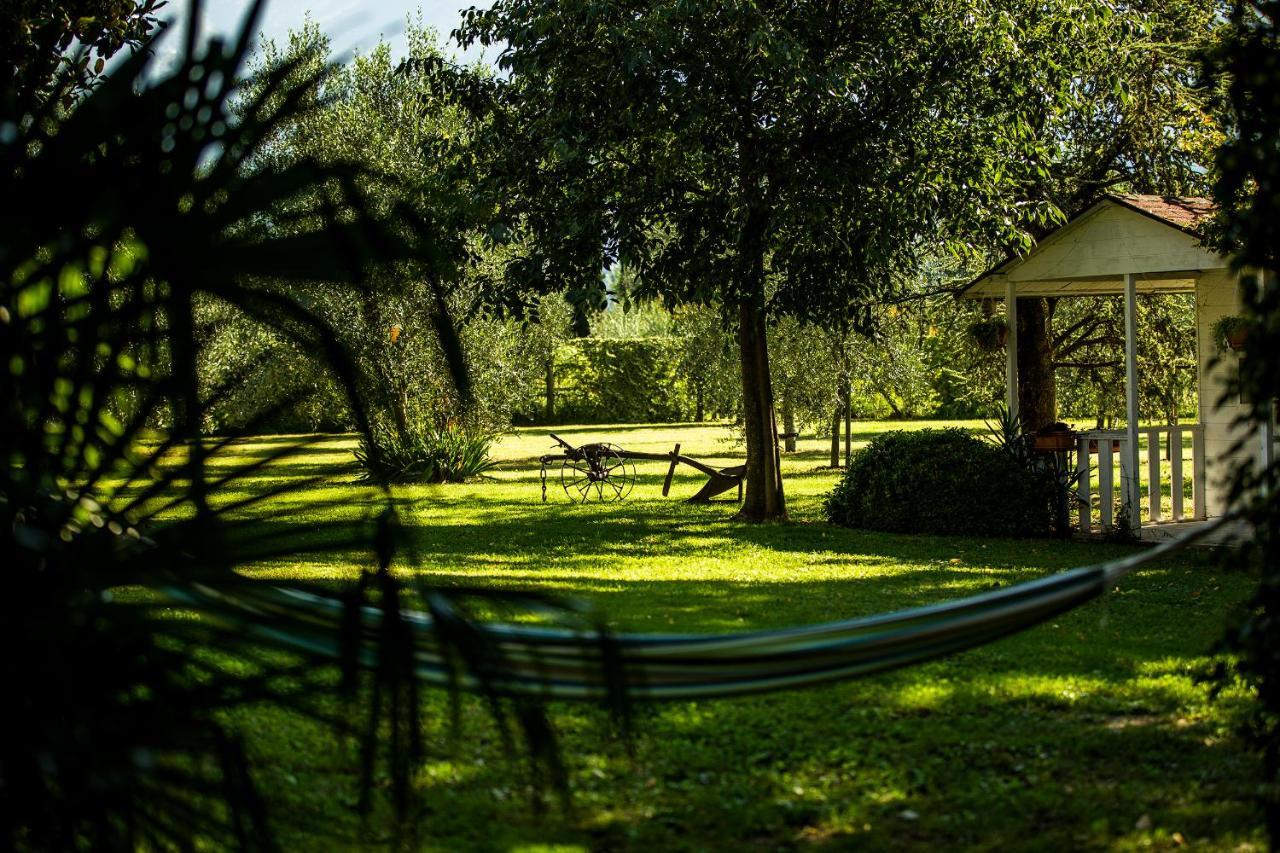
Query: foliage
point(1229, 329)
point(803, 370)
point(448, 454)
point(708, 361)
point(1057, 478)
point(938, 481)
point(63, 48)
point(988, 333)
point(541, 340)
point(1008, 435)
point(633, 319)
point(269, 383)
point(1248, 192)
point(1135, 119)
point(136, 206)
point(713, 147)
point(1088, 354)
point(373, 110)
point(121, 743)
point(610, 380)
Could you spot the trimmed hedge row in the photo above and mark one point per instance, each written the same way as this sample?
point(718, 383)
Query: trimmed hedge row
point(617, 381)
point(940, 481)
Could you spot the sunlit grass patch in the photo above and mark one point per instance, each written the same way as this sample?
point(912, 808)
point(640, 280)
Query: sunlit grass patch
point(1064, 736)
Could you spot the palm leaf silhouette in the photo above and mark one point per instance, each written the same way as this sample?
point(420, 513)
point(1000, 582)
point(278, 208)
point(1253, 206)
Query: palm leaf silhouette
point(123, 214)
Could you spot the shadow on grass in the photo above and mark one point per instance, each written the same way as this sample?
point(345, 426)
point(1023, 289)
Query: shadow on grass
point(1061, 737)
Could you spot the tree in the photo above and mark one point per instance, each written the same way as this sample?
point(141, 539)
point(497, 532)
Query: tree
point(1248, 192)
point(801, 371)
point(719, 146)
point(64, 48)
point(707, 360)
point(553, 326)
point(372, 109)
point(1135, 120)
point(1089, 356)
point(134, 203)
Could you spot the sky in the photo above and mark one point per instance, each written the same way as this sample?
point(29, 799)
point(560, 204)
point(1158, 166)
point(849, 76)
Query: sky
point(351, 25)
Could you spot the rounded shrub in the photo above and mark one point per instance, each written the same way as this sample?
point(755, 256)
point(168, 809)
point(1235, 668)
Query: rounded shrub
point(942, 481)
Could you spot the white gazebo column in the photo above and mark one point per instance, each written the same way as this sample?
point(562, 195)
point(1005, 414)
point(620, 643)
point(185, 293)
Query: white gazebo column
point(1011, 348)
point(1130, 491)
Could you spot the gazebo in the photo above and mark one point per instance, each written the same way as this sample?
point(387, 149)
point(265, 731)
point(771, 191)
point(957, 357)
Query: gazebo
point(1126, 245)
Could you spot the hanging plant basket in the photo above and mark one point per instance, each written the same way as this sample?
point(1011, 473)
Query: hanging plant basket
point(989, 334)
point(1231, 333)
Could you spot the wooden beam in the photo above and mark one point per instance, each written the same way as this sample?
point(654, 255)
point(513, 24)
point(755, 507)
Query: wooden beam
point(1082, 471)
point(1129, 488)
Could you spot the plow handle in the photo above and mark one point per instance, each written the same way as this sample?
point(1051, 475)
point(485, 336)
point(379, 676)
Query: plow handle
point(675, 460)
point(560, 441)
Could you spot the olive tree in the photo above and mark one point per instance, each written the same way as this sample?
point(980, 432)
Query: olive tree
point(372, 110)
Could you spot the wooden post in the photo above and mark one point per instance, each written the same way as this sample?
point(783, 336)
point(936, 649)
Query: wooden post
point(1130, 492)
point(1011, 347)
point(1127, 476)
point(1106, 488)
point(671, 472)
point(1082, 468)
point(1175, 472)
point(1153, 475)
point(1198, 473)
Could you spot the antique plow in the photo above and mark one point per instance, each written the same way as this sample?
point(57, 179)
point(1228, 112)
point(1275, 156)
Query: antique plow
point(605, 472)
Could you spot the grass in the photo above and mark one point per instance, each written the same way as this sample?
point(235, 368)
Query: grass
point(1090, 731)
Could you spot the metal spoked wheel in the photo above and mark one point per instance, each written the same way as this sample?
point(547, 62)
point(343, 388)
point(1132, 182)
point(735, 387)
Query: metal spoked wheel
point(599, 473)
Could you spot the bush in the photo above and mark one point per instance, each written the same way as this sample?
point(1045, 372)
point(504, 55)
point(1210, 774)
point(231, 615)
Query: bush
point(943, 481)
point(451, 454)
point(611, 380)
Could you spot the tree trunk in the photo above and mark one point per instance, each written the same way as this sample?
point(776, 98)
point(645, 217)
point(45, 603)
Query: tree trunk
point(400, 410)
point(764, 499)
point(581, 326)
point(549, 380)
point(788, 425)
point(848, 424)
point(1037, 391)
point(698, 413)
point(835, 437)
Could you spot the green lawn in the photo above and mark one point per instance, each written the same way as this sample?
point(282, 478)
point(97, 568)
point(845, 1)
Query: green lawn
point(1090, 731)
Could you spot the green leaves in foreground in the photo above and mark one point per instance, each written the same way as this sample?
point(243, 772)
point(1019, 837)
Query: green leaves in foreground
point(121, 215)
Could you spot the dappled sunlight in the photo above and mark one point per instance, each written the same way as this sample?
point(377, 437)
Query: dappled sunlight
point(1086, 722)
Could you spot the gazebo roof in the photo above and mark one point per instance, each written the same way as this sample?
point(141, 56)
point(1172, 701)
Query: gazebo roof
point(1155, 237)
point(1185, 212)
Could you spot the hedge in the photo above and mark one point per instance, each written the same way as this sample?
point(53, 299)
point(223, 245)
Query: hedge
point(616, 381)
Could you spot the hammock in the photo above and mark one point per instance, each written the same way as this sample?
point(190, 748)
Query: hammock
point(557, 663)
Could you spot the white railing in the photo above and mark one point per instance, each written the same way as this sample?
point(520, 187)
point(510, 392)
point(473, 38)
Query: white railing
point(1105, 445)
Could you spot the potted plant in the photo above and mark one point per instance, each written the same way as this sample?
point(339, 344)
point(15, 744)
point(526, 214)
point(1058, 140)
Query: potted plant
point(1231, 333)
point(1055, 438)
point(989, 333)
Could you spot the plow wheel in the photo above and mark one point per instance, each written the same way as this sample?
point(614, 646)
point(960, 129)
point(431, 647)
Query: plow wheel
point(600, 473)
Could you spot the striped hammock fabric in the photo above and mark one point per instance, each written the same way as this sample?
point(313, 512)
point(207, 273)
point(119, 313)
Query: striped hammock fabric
point(556, 663)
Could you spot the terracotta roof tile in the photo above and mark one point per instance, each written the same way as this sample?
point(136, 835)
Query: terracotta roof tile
point(1187, 213)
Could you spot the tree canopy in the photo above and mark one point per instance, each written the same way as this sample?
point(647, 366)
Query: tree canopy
point(781, 158)
point(65, 47)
